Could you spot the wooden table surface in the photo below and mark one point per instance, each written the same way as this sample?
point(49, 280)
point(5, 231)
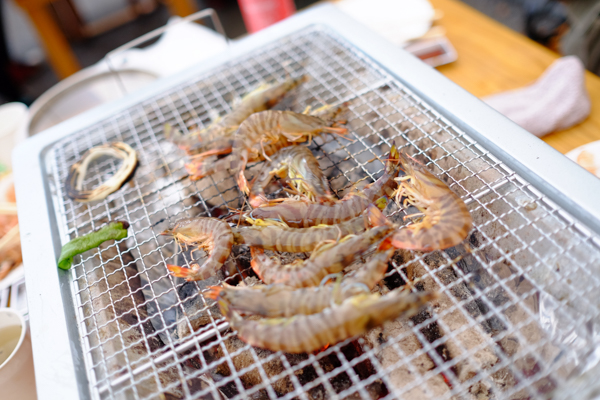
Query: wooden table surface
point(493, 58)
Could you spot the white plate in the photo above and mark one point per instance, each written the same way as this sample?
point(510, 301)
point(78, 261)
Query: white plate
point(590, 160)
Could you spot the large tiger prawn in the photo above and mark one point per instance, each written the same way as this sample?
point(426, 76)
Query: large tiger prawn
point(328, 259)
point(301, 169)
point(280, 300)
point(218, 137)
point(280, 237)
point(261, 135)
point(444, 220)
point(308, 333)
point(301, 214)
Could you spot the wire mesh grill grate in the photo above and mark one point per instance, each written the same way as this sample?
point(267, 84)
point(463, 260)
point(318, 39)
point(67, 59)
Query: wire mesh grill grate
point(148, 335)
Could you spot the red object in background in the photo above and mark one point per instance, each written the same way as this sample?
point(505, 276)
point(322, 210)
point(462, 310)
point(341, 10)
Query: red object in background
point(259, 14)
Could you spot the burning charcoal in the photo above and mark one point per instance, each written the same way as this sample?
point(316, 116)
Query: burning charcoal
point(404, 377)
point(246, 358)
point(118, 283)
point(460, 345)
point(193, 310)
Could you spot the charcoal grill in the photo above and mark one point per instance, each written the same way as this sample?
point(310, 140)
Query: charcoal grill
point(518, 313)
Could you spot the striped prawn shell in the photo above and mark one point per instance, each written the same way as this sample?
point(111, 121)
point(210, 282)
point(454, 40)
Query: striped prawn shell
point(308, 333)
point(283, 301)
point(330, 260)
point(297, 240)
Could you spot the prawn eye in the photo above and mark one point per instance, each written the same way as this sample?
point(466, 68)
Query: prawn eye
point(381, 202)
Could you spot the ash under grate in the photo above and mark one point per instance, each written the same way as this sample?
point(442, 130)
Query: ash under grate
point(148, 335)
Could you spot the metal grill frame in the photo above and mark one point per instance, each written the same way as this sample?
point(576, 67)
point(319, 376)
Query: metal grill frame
point(60, 369)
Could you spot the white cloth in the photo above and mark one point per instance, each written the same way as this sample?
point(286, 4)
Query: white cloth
point(556, 101)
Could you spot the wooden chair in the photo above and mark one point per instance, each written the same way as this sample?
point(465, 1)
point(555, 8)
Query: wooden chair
point(59, 52)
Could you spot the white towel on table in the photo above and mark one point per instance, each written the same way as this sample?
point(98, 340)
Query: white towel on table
point(556, 101)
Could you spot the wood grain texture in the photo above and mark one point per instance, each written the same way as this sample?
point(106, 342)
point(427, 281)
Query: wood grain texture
point(493, 58)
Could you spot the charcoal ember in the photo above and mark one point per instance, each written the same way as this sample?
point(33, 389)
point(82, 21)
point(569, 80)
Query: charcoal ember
point(462, 344)
point(247, 357)
point(195, 311)
point(115, 294)
point(164, 196)
point(404, 377)
point(363, 370)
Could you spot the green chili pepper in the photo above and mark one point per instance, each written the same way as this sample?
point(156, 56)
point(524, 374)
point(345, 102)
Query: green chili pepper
point(113, 231)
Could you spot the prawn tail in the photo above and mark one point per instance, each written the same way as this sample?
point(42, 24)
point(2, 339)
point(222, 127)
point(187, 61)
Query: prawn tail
point(256, 251)
point(214, 293)
point(181, 272)
point(386, 244)
point(254, 199)
point(335, 130)
point(257, 200)
point(404, 239)
point(376, 217)
point(238, 165)
point(199, 168)
point(256, 264)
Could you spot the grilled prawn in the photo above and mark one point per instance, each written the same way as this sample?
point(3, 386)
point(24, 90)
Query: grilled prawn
point(213, 235)
point(302, 170)
point(280, 237)
point(444, 220)
point(327, 259)
point(308, 333)
point(261, 135)
point(283, 301)
point(302, 214)
point(218, 137)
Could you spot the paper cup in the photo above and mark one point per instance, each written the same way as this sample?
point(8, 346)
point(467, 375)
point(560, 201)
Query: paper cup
point(17, 379)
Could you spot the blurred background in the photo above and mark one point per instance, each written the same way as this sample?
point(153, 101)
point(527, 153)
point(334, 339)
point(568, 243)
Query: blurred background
point(93, 28)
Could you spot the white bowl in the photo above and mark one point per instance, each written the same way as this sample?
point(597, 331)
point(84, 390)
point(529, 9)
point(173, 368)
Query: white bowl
point(17, 379)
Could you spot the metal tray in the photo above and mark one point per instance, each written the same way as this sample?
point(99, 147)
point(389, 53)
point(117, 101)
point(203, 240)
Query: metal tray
point(117, 325)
